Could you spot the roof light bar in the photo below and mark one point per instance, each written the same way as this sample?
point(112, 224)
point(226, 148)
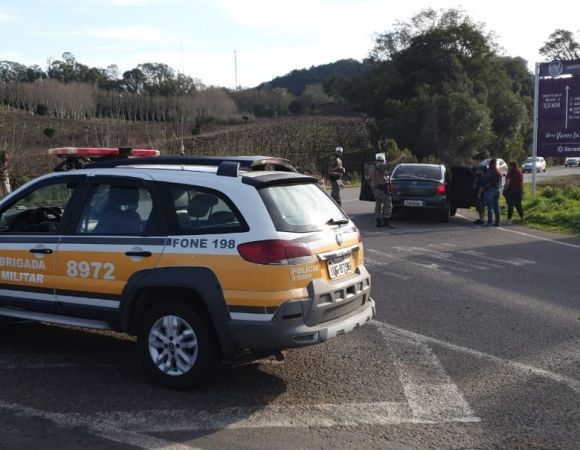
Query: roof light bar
point(97, 152)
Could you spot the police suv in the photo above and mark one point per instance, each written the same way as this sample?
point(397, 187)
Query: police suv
point(200, 259)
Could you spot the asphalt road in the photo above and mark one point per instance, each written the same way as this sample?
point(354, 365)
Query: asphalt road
point(552, 172)
point(476, 345)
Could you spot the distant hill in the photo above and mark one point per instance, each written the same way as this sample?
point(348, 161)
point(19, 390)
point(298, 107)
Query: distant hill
point(297, 80)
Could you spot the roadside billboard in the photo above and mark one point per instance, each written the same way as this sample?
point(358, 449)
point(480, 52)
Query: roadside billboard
point(558, 109)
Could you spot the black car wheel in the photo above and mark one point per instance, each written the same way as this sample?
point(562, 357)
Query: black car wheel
point(176, 345)
point(452, 211)
point(444, 214)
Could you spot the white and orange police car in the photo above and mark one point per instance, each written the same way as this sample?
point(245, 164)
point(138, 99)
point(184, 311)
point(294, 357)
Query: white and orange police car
point(199, 258)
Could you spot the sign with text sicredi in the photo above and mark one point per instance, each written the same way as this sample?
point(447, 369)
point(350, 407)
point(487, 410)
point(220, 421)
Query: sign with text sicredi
point(559, 117)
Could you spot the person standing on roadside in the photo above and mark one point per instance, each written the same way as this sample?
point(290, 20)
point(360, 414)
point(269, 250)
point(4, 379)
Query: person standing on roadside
point(513, 191)
point(491, 188)
point(378, 178)
point(478, 193)
point(335, 172)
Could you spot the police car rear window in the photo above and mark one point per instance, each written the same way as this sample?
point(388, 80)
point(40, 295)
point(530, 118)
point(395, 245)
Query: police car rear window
point(300, 208)
point(204, 211)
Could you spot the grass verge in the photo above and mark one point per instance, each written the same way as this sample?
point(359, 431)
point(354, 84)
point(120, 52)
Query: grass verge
point(556, 206)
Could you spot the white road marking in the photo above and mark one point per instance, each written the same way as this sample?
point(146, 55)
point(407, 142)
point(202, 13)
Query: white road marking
point(451, 258)
point(513, 262)
point(570, 382)
point(533, 236)
point(290, 416)
point(429, 390)
point(431, 398)
point(106, 430)
point(442, 245)
point(541, 238)
point(449, 263)
point(371, 262)
point(443, 256)
point(432, 266)
point(18, 361)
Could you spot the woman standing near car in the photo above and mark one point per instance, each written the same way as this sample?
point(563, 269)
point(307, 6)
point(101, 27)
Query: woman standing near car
point(491, 188)
point(513, 189)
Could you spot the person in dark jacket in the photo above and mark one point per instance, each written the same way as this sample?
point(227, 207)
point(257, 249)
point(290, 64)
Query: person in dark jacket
point(491, 191)
point(335, 172)
point(378, 178)
point(478, 192)
point(513, 190)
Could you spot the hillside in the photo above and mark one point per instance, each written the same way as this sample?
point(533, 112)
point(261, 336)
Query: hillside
point(306, 140)
point(297, 80)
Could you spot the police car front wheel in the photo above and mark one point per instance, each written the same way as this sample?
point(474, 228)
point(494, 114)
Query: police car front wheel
point(176, 345)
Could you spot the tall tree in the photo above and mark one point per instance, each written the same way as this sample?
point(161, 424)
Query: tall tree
point(561, 44)
point(439, 89)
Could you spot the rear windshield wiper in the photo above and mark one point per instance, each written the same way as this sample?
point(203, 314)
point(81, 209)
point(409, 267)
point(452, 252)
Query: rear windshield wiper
point(333, 221)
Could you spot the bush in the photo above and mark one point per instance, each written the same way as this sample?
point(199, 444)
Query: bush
point(41, 110)
point(49, 132)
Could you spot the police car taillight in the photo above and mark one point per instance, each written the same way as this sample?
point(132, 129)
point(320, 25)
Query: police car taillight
point(274, 251)
point(97, 152)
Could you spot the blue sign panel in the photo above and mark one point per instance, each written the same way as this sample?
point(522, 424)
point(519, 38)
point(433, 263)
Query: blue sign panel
point(559, 117)
point(559, 68)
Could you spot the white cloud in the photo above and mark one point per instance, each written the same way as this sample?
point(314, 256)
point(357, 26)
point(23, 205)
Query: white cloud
point(130, 2)
point(134, 33)
point(7, 15)
point(11, 56)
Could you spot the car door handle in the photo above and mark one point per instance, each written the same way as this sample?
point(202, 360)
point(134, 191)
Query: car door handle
point(142, 254)
point(44, 251)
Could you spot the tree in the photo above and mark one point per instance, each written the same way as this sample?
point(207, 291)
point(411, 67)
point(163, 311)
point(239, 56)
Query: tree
point(439, 89)
point(561, 44)
point(263, 102)
point(313, 96)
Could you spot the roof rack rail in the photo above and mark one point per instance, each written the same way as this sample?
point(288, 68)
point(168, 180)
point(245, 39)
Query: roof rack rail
point(245, 162)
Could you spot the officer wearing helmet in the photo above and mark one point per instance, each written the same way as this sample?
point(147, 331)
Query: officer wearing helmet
point(378, 178)
point(335, 172)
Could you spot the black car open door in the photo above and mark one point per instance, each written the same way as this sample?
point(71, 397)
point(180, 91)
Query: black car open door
point(461, 192)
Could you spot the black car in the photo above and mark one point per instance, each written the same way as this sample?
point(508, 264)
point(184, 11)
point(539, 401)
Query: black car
point(421, 187)
point(431, 188)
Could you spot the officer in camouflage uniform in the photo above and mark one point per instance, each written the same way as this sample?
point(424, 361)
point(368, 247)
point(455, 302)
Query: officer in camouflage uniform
point(335, 173)
point(379, 180)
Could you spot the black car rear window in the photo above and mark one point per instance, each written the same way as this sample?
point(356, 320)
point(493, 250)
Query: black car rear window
point(418, 171)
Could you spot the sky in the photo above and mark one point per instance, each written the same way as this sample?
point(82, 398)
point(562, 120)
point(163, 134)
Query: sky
point(262, 39)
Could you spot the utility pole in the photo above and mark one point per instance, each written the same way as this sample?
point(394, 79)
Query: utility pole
point(235, 70)
point(182, 147)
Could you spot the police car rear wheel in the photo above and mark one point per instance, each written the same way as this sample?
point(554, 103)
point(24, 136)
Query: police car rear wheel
point(176, 345)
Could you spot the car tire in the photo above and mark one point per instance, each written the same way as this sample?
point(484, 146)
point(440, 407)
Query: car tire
point(452, 211)
point(444, 215)
point(177, 345)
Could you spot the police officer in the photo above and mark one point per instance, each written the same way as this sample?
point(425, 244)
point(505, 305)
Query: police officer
point(335, 173)
point(379, 180)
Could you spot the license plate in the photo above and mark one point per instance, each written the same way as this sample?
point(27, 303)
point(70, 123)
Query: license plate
point(413, 203)
point(339, 266)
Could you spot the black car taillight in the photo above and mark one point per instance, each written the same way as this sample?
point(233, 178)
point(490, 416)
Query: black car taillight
point(440, 189)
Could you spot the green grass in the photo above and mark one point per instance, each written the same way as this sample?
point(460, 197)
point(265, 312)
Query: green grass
point(556, 206)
